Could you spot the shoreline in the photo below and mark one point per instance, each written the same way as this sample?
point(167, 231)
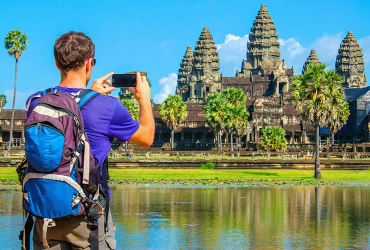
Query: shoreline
point(214, 183)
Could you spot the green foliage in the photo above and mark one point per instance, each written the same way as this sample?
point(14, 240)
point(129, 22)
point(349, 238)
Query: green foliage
point(226, 112)
point(16, 43)
point(3, 100)
point(273, 139)
point(132, 107)
point(173, 111)
point(208, 165)
point(215, 112)
point(319, 97)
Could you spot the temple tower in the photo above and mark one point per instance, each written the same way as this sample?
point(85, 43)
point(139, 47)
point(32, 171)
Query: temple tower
point(205, 75)
point(183, 78)
point(263, 40)
point(350, 63)
point(312, 58)
point(263, 58)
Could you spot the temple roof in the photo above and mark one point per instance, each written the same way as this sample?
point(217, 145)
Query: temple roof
point(353, 94)
point(6, 114)
point(236, 81)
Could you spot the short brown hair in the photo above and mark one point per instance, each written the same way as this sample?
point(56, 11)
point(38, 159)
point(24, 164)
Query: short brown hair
point(72, 49)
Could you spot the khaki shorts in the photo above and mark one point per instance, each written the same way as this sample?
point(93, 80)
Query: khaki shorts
point(74, 234)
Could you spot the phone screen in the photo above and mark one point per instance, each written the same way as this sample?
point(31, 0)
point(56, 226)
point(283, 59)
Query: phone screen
point(124, 80)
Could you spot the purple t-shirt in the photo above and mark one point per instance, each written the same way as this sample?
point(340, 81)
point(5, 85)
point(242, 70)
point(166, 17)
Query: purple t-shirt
point(105, 118)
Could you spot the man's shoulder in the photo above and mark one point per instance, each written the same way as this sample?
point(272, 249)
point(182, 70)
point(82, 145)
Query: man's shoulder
point(105, 99)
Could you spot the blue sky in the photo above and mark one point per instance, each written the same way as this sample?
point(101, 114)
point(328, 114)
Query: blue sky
point(152, 36)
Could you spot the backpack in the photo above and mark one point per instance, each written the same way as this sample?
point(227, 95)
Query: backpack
point(62, 176)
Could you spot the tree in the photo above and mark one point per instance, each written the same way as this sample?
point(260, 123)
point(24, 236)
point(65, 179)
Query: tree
point(132, 107)
point(236, 119)
point(273, 139)
point(173, 112)
point(215, 115)
point(3, 101)
point(319, 98)
point(239, 124)
point(340, 114)
point(16, 43)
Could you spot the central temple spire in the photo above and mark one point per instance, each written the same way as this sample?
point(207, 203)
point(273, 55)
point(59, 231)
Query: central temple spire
point(263, 40)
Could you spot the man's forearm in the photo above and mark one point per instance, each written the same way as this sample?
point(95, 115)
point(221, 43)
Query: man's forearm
point(146, 122)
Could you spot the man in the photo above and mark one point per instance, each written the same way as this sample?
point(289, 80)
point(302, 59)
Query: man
point(105, 118)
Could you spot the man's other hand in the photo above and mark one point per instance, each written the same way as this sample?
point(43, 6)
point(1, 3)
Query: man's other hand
point(103, 85)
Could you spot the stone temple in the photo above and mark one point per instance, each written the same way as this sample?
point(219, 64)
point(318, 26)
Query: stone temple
point(264, 78)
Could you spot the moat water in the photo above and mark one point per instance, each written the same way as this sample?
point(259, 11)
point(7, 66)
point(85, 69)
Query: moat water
point(155, 217)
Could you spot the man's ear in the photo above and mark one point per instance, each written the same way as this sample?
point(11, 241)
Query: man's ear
point(88, 66)
point(56, 64)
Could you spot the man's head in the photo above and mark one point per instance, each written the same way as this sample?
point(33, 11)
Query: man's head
point(73, 50)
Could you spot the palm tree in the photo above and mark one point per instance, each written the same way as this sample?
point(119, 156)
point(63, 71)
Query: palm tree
point(237, 112)
point(340, 118)
point(133, 108)
point(3, 101)
point(15, 43)
point(239, 125)
point(215, 114)
point(336, 92)
point(317, 100)
point(173, 112)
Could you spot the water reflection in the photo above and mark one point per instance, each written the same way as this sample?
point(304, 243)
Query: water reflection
point(226, 218)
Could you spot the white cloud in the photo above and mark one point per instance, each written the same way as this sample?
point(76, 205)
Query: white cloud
point(20, 99)
point(295, 55)
point(233, 49)
point(232, 52)
point(292, 47)
point(167, 87)
point(327, 48)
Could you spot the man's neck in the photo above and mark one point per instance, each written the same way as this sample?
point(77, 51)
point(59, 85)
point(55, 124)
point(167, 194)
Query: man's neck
point(73, 79)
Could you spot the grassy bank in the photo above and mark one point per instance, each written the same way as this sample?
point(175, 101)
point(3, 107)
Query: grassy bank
point(211, 177)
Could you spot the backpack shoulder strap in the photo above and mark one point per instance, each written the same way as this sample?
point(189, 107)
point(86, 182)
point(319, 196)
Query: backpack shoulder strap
point(40, 94)
point(84, 96)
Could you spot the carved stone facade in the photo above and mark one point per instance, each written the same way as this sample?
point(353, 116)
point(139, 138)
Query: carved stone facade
point(199, 75)
point(265, 80)
point(350, 62)
point(263, 77)
point(263, 46)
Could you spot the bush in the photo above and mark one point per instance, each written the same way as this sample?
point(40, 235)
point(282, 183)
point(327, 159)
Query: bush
point(208, 165)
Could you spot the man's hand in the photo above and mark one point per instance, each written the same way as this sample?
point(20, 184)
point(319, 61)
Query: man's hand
point(103, 85)
point(142, 90)
point(144, 136)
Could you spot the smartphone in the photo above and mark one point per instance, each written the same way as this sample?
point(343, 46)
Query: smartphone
point(124, 80)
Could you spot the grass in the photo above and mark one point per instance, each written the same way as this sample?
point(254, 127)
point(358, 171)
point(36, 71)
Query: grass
point(9, 173)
